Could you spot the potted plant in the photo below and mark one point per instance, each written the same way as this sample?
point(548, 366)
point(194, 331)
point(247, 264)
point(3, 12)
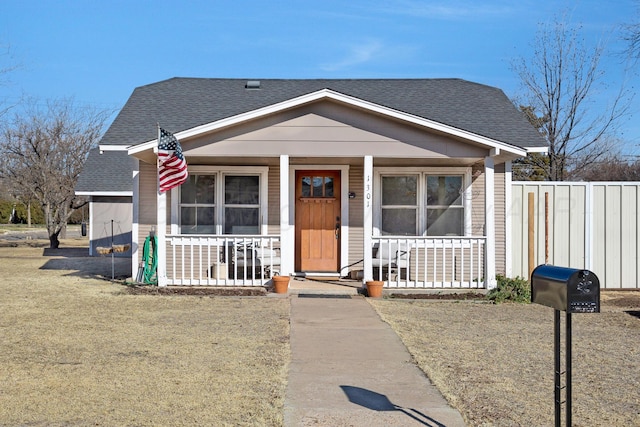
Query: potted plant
point(280, 284)
point(374, 288)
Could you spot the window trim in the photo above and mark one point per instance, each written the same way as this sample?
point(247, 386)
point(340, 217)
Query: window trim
point(220, 172)
point(422, 173)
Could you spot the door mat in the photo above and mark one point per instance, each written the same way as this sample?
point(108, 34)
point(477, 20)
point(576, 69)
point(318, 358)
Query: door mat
point(324, 296)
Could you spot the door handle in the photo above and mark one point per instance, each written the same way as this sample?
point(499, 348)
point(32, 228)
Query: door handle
point(337, 231)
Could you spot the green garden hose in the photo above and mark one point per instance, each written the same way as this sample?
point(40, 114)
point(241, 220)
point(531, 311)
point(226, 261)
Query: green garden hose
point(150, 260)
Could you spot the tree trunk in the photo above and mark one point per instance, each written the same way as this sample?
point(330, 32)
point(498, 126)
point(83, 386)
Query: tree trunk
point(54, 243)
point(52, 227)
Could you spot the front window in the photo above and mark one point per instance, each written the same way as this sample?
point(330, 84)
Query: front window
point(197, 205)
point(400, 205)
point(241, 204)
point(445, 212)
point(221, 202)
point(422, 204)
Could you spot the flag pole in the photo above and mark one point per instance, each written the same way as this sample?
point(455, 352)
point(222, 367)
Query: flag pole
point(162, 224)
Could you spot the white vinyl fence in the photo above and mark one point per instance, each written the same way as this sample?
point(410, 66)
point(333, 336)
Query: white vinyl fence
point(592, 225)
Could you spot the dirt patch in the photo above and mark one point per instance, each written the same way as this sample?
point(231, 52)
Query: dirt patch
point(462, 296)
point(196, 291)
point(620, 299)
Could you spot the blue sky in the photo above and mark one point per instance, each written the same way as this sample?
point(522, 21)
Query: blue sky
point(97, 52)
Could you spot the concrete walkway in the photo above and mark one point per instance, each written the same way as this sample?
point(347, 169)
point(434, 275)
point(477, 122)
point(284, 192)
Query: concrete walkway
point(349, 368)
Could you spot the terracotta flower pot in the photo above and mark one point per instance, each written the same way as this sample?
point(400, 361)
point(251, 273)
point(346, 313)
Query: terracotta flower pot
point(374, 288)
point(281, 284)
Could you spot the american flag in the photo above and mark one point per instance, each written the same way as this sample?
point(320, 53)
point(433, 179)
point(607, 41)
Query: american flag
point(172, 165)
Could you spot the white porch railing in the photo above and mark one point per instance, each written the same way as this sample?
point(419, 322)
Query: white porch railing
point(429, 262)
point(247, 260)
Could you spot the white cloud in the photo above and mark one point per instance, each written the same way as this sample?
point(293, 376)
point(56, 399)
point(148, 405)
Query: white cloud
point(358, 54)
point(451, 10)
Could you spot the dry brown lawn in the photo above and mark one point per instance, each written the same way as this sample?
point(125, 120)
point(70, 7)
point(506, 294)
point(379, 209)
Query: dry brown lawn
point(79, 350)
point(495, 363)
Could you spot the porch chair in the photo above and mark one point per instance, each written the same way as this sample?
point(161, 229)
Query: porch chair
point(257, 262)
point(392, 258)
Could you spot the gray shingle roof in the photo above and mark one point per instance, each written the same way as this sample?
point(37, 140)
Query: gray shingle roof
point(183, 103)
point(106, 172)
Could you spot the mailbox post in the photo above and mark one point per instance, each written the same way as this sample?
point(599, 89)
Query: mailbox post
point(572, 291)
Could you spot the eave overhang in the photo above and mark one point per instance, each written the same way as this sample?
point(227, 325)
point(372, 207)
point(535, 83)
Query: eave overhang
point(105, 193)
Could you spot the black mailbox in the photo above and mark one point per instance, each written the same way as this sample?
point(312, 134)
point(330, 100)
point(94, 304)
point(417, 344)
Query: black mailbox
point(566, 289)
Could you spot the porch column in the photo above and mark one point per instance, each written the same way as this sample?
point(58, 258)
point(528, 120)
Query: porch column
point(287, 236)
point(489, 223)
point(368, 218)
point(161, 232)
point(135, 241)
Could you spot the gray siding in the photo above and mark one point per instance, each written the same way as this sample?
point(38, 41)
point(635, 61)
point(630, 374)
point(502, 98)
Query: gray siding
point(104, 211)
point(356, 217)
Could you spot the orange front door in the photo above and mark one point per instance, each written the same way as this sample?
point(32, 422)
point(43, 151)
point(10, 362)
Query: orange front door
point(317, 220)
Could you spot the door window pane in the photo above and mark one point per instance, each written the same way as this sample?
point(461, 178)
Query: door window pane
point(306, 186)
point(318, 186)
point(328, 186)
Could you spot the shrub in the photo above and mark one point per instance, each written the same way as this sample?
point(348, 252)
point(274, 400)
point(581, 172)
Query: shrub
point(6, 207)
point(515, 290)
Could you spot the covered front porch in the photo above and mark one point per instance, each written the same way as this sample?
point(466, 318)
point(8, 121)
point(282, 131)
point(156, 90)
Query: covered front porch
point(466, 261)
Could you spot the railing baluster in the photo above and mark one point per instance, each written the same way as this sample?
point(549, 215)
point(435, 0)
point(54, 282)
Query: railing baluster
point(440, 262)
point(257, 254)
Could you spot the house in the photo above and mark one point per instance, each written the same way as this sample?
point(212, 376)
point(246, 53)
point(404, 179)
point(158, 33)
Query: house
point(402, 180)
point(106, 181)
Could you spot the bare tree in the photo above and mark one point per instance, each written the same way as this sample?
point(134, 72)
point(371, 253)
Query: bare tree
point(44, 150)
point(611, 168)
point(561, 82)
point(7, 65)
point(632, 37)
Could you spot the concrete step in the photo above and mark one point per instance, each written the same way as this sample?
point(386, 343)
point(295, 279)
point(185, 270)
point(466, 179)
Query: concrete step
point(324, 287)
